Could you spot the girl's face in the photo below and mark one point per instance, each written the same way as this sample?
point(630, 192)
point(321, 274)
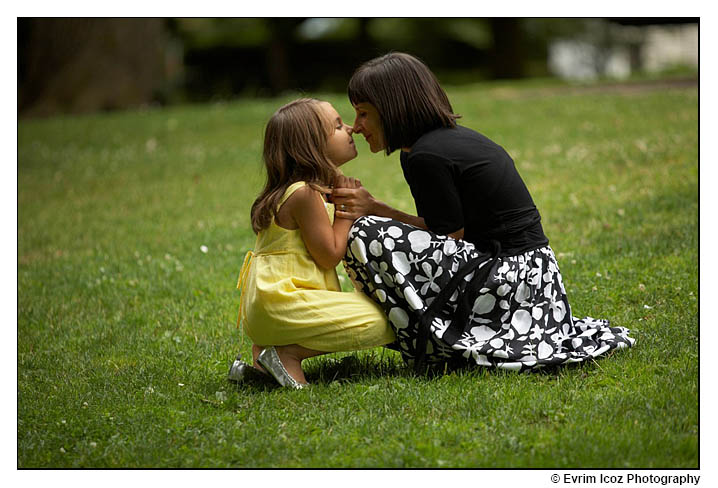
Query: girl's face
point(368, 123)
point(340, 144)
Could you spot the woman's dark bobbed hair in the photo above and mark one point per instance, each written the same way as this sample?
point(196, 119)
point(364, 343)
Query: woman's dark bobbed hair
point(407, 96)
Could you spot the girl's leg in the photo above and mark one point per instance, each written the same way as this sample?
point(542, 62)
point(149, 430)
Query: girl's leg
point(291, 356)
point(255, 352)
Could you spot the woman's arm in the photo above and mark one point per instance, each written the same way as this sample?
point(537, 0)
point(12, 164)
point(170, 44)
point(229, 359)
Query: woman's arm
point(352, 203)
point(359, 202)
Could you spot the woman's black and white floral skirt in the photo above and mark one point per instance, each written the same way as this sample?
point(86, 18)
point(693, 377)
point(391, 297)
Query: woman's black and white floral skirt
point(518, 316)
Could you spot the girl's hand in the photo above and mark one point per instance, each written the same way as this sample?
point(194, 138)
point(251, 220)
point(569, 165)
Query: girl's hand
point(342, 181)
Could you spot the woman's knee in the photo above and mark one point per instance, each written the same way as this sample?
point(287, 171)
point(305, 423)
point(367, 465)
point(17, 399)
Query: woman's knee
point(361, 225)
point(357, 244)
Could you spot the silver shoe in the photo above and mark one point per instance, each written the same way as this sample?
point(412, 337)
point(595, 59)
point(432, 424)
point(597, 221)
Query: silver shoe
point(269, 359)
point(241, 372)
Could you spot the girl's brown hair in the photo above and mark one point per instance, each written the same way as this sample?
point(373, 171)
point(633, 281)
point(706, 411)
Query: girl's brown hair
point(295, 148)
point(407, 96)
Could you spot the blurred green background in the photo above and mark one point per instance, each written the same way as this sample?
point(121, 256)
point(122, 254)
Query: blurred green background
point(71, 65)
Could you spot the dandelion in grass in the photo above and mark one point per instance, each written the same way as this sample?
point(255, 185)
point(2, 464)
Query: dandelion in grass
point(151, 145)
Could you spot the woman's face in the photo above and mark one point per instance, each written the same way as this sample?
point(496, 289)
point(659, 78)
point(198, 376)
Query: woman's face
point(340, 144)
point(368, 124)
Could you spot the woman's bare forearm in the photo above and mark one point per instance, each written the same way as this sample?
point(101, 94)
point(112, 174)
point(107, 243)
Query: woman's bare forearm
point(352, 203)
point(382, 209)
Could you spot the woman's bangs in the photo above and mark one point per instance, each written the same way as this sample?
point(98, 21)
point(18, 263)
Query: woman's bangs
point(357, 88)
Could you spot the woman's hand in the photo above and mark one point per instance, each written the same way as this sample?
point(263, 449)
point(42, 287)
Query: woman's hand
point(349, 198)
point(352, 203)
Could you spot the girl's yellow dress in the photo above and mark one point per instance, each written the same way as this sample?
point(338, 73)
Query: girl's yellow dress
point(287, 299)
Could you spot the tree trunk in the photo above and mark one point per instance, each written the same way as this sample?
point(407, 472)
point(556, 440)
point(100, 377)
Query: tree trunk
point(86, 64)
point(507, 59)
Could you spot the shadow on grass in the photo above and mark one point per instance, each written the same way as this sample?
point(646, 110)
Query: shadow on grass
point(356, 368)
point(325, 370)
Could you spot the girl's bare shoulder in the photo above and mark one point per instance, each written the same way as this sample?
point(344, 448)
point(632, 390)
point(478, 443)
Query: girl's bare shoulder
point(305, 195)
point(304, 200)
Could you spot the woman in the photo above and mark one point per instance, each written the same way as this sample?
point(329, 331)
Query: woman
point(471, 279)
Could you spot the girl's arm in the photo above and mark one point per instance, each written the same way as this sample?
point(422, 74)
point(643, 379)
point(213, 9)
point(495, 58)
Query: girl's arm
point(326, 243)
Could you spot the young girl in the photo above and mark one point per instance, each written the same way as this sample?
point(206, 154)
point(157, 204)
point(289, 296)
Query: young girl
point(292, 306)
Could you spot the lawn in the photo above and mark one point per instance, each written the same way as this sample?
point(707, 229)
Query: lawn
point(132, 227)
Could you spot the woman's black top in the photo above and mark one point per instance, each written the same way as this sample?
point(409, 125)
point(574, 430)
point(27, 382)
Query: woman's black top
point(461, 179)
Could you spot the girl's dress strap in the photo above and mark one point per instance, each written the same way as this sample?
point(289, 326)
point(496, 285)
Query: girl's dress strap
point(290, 190)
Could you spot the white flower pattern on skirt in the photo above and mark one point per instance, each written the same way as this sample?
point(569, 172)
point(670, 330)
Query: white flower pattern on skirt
point(519, 317)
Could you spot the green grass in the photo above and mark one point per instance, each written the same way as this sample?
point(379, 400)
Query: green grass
point(126, 328)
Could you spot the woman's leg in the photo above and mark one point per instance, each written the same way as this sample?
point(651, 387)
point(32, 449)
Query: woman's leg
point(519, 316)
point(403, 268)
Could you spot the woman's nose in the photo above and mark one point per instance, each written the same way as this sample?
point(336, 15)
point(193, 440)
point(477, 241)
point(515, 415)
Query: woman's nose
point(350, 129)
point(356, 128)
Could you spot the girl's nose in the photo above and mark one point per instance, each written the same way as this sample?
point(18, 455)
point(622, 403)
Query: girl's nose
point(350, 129)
